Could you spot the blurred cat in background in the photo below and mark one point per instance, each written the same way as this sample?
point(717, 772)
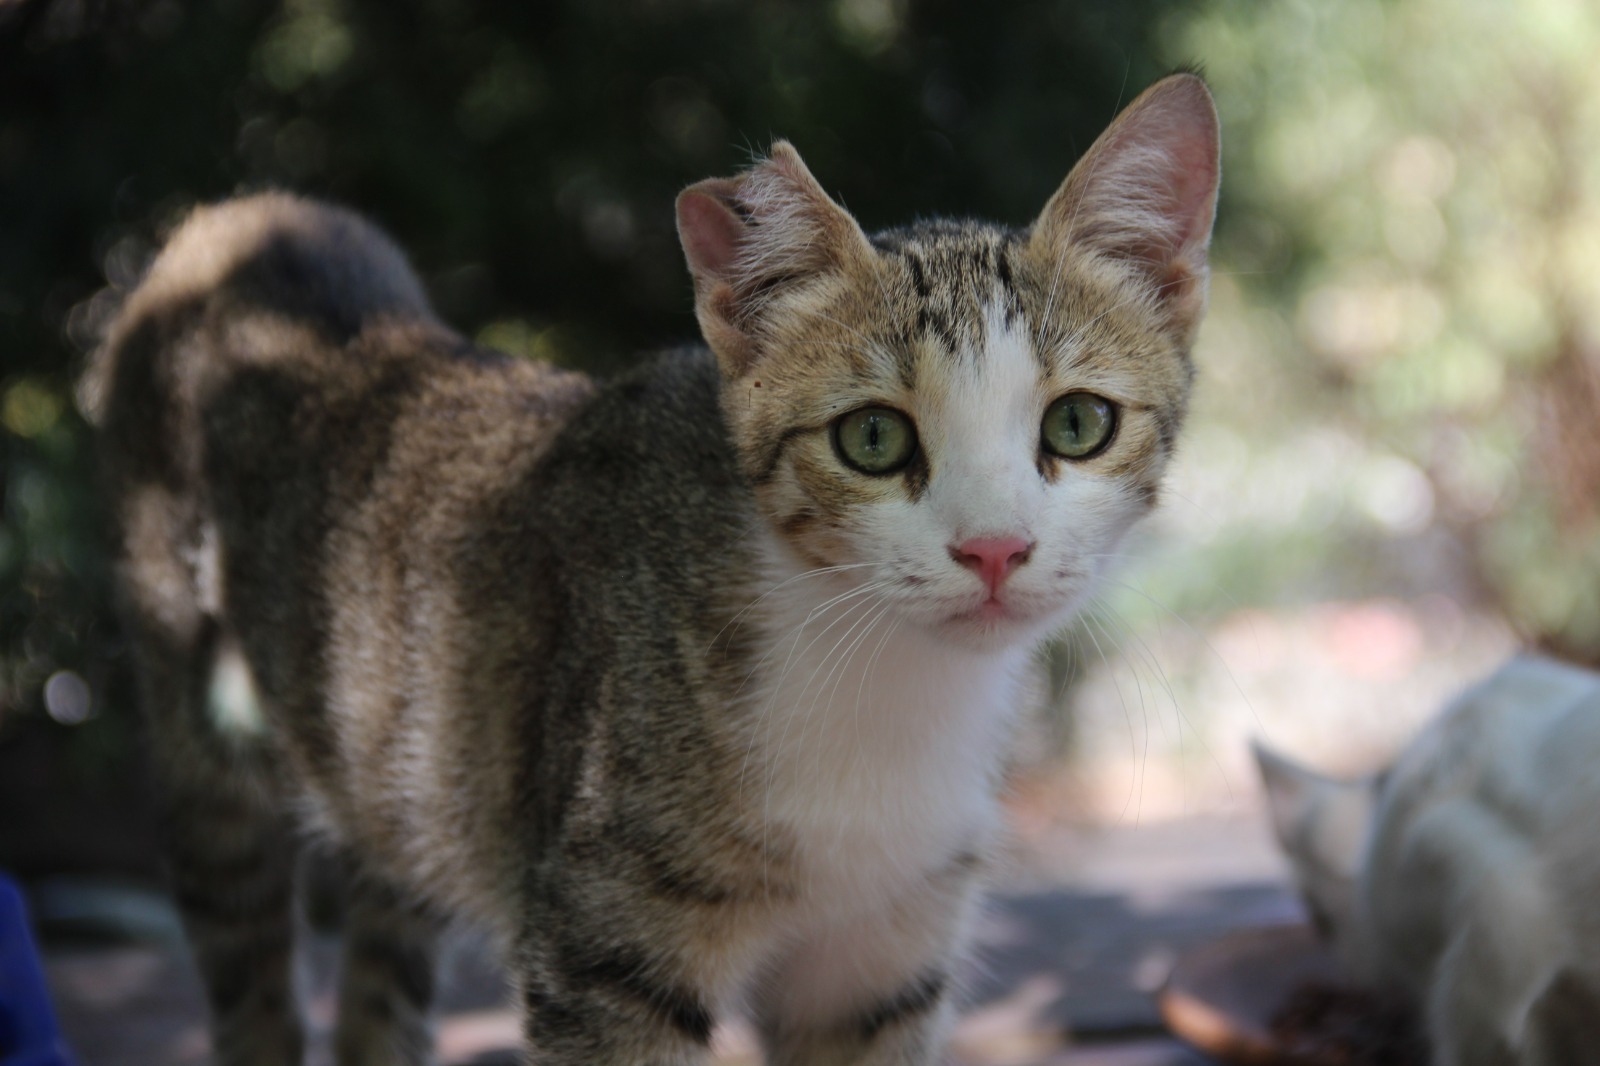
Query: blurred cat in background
point(1466, 876)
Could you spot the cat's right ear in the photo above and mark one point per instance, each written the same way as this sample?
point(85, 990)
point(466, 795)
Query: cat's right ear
point(753, 239)
point(1316, 817)
point(1146, 194)
point(1291, 792)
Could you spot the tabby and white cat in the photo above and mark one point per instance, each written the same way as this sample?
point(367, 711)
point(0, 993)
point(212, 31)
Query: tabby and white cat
point(1466, 877)
point(695, 687)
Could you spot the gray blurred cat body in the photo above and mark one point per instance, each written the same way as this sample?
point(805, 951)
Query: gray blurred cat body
point(1465, 878)
point(695, 687)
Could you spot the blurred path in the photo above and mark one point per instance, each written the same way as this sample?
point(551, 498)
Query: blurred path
point(1069, 962)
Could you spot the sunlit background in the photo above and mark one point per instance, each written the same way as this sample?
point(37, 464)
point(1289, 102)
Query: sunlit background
point(1388, 481)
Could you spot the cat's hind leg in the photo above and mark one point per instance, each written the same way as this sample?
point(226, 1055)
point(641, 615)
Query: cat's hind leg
point(230, 854)
point(387, 983)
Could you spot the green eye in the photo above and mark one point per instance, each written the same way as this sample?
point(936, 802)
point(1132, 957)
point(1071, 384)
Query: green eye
point(1078, 425)
point(875, 440)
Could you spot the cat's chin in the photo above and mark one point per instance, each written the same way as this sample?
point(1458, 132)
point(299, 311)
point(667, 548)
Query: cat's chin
point(996, 626)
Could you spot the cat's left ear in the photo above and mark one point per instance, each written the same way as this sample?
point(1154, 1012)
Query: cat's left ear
point(1146, 193)
point(1291, 791)
point(1313, 816)
point(755, 239)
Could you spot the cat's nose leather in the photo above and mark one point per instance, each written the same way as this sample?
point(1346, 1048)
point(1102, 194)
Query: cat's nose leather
point(992, 558)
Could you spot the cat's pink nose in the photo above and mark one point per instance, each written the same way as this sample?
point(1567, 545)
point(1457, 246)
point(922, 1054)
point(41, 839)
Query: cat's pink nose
point(992, 558)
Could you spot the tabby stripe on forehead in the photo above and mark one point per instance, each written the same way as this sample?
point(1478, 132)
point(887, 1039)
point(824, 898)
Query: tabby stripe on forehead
point(930, 320)
point(1008, 285)
point(984, 257)
point(1002, 270)
point(919, 279)
point(939, 325)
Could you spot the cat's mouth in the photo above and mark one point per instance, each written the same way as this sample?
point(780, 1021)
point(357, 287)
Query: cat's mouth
point(991, 612)
point(994, 609)
point(1004, 615)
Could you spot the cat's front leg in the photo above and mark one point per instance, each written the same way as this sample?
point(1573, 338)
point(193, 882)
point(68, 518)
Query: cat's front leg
point(591, 999)
point(611, 972)
point(878, 989)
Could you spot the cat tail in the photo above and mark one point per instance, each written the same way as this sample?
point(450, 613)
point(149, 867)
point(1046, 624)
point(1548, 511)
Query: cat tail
point(271, 252)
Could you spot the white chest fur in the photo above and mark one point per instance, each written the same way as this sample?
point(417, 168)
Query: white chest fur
point(877, 746)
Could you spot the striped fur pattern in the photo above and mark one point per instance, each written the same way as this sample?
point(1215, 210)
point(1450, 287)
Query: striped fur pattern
point(643, 676)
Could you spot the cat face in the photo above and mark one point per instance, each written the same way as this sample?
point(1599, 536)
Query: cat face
point(964, 418)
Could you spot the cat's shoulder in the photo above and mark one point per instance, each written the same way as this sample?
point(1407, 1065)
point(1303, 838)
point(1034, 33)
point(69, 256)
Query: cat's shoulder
point(655, 437)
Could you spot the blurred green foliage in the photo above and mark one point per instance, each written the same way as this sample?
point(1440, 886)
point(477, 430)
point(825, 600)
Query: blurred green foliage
point(1413, 290)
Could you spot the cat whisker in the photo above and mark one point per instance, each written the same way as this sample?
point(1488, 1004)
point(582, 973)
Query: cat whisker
point(1144, 656)
point(792, 640)
point(1202, 638)
point(1140, 764)
point(857, 591)
point(842, 663)
point(872, 663)
point(747, 608)
point(882, 608)
point(758, 726)
point(866, 671)
point(777, 689)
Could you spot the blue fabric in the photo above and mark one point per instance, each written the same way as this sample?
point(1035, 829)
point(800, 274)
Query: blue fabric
point(29, 1035)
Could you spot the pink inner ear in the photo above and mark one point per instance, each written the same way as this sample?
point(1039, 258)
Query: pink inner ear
point(1192, 150)
point(710, 231)
point(1147, 189)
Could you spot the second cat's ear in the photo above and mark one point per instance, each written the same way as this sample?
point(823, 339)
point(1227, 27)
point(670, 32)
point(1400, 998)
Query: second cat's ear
point(756, 239)
point(1315, 817)
point(1146, 193)
point(1291, 792)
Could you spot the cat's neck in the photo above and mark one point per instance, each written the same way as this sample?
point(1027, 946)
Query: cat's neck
point(875, 741)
